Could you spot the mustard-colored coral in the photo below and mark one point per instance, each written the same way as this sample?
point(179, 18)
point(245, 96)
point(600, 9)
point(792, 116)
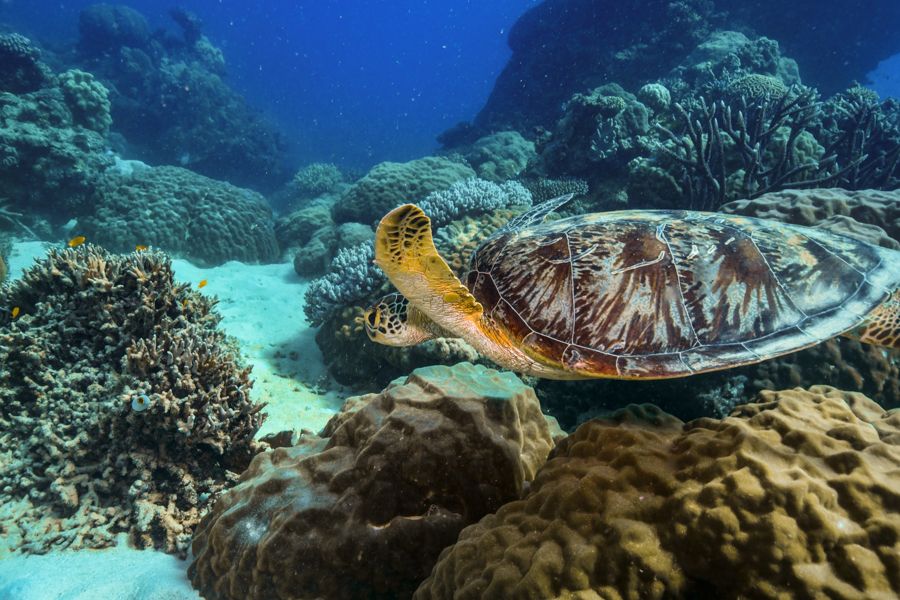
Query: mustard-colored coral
point(794, 496)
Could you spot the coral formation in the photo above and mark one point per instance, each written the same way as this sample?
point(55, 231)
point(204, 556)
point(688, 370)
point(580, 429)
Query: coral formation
point(793, 496)
point(473, 197)
point(81, 465)
point(179, 211)
point(500, 156)
point(351, 278)
point(811, 207)
point(48, 161)
point(390, 184)
point(195, 119)
point(366, 511)
point(87, 99)
point(21, 69)
point(316, 179)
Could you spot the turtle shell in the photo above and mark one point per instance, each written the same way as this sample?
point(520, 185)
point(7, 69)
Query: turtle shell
point(654, 294)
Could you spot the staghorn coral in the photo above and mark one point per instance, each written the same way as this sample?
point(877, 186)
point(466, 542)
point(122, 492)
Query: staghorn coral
point(793, 496)
point(401, 472)
point(391, 184)
point(88, 100)
point(207, 221)
point(83, 460)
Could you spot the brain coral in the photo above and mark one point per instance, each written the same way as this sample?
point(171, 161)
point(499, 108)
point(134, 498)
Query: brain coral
point(794, 496)
point(391, 184)
point(123, 408)
point(365, 517)
point(206, 221)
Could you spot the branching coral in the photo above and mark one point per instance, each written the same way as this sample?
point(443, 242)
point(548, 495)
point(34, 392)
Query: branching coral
point(473, 197)
point(96, 331)
point(351, 278)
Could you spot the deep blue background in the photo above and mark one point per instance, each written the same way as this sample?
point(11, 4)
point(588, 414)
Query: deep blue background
point(349, 81)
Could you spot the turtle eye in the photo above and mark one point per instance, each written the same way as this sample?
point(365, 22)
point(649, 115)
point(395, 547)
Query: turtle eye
point(372, 318)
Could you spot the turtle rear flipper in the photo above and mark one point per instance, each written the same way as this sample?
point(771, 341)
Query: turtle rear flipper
point(882, 328)
point(404, 249)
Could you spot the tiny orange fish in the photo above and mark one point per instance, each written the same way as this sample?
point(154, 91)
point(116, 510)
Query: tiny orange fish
point(202, 283)
point(76, 241)
point(140, 248)
point(15, 311)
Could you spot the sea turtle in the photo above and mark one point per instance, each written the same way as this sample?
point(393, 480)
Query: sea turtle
point(635, 294)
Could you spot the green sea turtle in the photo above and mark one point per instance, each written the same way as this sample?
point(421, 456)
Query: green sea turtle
point(635, 294)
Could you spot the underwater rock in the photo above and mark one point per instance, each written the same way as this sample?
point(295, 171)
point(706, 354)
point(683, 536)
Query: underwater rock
point(83, 461)
point(206, 221)
point(389, 184)
point(793, 496)
point(365, 516)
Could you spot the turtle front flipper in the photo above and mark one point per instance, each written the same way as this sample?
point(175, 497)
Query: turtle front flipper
point(882, 328)
point(404, 249)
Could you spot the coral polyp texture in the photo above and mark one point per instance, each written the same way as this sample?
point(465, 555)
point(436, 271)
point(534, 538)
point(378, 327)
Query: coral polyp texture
point(207, 221)
point(365, 516)
point(123, 406)
point(794, 496)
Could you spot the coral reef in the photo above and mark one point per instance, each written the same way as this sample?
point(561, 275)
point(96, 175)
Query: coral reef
point(123, 407)
point(473, 197)
point(390, 184)
point(560, 47)
point(875, 208)
point(87, 99)
point(171, 102)
point(316, 179)
point(500, 156)
point(367, 510)
point(21, 69)
point(179, 211)
point(49, 162)
point(792, 496)
point(351, 278)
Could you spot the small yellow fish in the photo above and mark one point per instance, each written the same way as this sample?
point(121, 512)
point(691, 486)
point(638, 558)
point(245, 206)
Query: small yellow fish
point(76, 241)
point(202, 283)
point(15, 311)
point(140, 248)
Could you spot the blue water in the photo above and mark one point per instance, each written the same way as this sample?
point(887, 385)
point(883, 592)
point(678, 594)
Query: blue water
point(349, 81)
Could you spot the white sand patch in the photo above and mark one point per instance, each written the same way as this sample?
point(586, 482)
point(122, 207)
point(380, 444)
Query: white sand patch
point(117, 573)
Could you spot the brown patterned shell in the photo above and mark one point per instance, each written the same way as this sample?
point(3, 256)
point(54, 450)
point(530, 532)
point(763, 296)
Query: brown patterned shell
point(651, 294)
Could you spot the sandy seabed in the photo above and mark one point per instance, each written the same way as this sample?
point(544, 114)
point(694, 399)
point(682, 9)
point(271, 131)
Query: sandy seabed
point(262, 308)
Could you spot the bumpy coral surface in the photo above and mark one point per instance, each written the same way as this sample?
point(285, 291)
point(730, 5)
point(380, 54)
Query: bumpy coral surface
point(401, 473)
point(174, 209)
point(390, 184)
point(123, 408)
point(794, 496)
point(811, 207)
point(88, 100)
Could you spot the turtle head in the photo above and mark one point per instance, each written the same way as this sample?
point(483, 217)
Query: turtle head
point(393, 322)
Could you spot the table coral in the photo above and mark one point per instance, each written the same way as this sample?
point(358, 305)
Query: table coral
point(94, 332)
point(402, 472)
point(207, 221)
point(793, 496)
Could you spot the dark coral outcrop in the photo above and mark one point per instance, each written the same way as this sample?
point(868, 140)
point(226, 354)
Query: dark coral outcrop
point(123, 406)
point(364, 512)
